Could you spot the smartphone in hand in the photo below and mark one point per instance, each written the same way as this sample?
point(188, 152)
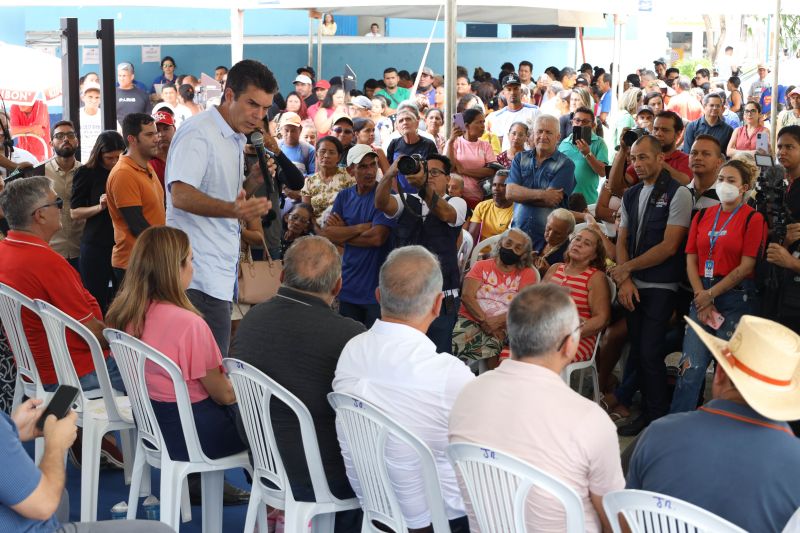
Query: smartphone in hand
point(60, 404)
point(458, 121)
point(715, 320)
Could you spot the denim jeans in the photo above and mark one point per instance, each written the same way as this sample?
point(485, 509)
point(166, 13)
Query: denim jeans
point(441, 329)
point(696, 357)
point(90, 382)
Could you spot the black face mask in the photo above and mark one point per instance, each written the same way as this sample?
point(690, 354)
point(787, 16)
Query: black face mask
point(509, 257)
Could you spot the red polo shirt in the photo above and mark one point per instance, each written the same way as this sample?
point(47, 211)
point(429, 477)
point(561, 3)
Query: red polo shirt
point(678, 160)
point(30, 266)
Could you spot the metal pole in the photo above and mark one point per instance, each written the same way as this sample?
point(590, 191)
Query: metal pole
point(450, 61)
point(311, 42)
point(237, 35)
point(773, 113)
point(577, 43)
point(319, 49)
point(70, 74)
point(108, 73)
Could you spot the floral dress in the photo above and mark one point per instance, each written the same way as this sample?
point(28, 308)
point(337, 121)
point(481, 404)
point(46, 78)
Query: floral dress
point(322, 193)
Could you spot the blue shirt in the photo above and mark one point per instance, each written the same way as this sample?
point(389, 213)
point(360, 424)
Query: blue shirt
point(162, 80)
point(20, 479)
point(766, 98)
point(744, 472)
point(731, 119)
point(605, 102)
point(208, 155)
point(555, 172)
point(720, 131)
point(301, 155)
point(360, 265)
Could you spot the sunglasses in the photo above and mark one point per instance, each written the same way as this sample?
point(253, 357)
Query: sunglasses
point(59, 203)
point(339, 129)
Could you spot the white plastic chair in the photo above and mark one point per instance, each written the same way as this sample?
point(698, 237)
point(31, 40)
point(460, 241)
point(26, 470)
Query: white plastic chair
point(97, 416)
point(465, 251)
point(590, 364)
point(793, 525)
point(254, 391)
point(131, 355)
point(583, 226)
point(498, 485)
point(476, 250)
point(651, 512)
point(367, 430)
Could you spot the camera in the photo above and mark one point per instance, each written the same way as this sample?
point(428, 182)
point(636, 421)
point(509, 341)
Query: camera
point(411, 164)
point(633, 135)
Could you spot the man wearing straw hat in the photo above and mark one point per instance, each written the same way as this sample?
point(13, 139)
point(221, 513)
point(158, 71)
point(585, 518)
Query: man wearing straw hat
point(735, 456)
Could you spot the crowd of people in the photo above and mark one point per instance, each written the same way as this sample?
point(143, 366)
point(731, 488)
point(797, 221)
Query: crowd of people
point(594, 228)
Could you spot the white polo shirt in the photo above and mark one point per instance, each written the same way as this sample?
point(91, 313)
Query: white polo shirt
point(396, 368)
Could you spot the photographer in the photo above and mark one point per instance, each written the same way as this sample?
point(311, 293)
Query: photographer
point(427, 219)
point(786, 255)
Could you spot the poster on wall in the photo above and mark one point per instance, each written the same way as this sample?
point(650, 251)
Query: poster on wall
point(90, 55)
point(151, 54)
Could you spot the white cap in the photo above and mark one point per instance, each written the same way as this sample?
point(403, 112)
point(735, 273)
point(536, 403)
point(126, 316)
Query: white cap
point(357, 153)
point(302, 78)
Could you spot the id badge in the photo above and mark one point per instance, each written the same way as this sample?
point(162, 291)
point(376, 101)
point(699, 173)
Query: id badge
point(709, 271)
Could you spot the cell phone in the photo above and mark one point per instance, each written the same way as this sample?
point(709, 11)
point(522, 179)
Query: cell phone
point(59, 405)
point(715, 320)
point(581, 132)
point(458, 121)
point(762, 142)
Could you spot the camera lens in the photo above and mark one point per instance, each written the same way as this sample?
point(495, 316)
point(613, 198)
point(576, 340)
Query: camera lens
point(408, 165)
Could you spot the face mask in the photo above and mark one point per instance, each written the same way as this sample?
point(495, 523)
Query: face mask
point(509, 257)
point(727, 192)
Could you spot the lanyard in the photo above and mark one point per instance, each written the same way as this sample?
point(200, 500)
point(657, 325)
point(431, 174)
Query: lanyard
point(714, 235)
point(746, 419)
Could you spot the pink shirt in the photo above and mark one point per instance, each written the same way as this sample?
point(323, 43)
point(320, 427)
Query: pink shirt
point(472, 156)
point(528, 411)
point(497, 288)
point(185, 338)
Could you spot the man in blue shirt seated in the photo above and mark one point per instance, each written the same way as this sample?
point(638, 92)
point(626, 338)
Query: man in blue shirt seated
point(364, 231)
point(735, 456)
point(540, 180)
point(32, 498)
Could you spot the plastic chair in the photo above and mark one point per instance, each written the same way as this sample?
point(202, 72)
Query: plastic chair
point(254, 391)
point(498, 485)
point(583, 226)
point(464, 252)
point(97, 416)
point(367, 430)
point(151, 451)
point(652, 512)
point(476, 250)
point(793, 525)
point(590, 364)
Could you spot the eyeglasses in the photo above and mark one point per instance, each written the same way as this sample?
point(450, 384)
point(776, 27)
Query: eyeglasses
point(71, 135)
point(339, 129)
point(571, 333)
point(59, 203)
point(436, 172)
point(754, 110)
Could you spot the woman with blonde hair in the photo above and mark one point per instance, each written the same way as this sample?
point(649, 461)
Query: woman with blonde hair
point(628, 105)
point(579, 97)
point(152, 305)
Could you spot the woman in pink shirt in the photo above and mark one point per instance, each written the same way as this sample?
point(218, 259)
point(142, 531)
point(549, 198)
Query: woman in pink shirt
point(470, 155)
point(152, 305)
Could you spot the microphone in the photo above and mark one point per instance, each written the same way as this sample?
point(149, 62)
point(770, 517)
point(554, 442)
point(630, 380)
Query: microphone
point(257, 138)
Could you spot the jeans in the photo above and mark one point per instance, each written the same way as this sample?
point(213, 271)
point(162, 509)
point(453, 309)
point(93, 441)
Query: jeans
point(367, 314)
point(217, 314)
point(441, 329)
point(96, 273)
point(90, 382)
point(696, 357)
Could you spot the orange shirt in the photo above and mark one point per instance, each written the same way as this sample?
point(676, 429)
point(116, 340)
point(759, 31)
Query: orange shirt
point(130, 185)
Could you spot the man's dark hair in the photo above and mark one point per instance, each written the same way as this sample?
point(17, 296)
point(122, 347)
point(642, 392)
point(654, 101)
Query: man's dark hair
point(404, 75)
point(566, 71)
point(132, 124)
point(634, 80)
point(444, 159)
point(677, 121)
point(59, 124)
point(709, 138)
point(508, 65)
point(586, 110)
point(249, 72)
point(222, 67)
point(606, 77)
point(169, 85)
point(526, 64)
point(371, 84)
point(389, 70)
point(671, 70)
point(728, 48)
point(792, 131)
point(553, 72)
point(703, 72)
point(577, 202)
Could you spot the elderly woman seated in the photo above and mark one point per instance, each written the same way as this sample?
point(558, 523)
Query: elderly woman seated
point(560, 224)
point(489, 287)
point(583, 273)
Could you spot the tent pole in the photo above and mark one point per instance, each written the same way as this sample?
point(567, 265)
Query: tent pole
point(773, 113)
point(319, 49)
point(310, 41)
point(450, 61)
point(425, 54)
point(237, 35)
point(577, 44)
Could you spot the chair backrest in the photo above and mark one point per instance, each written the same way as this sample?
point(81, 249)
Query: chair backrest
point(11, 304)
point(56, 323)
point(367, 430)
point(253, 395)
point(476, 250)
point(652, 512)
point(498, 485)
point(319, 481)
point(131, 354)
point(465, 251)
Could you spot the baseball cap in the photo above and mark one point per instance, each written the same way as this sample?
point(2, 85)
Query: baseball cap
point(356, 153)
point(660, 62)
point(323, 84)
point(796, 90)
point(90, 86)
point(645, 109)
point(511, 79)
point(125, 66)
point(307, 68)
point(302, 78)
point(428, 71)
point(290, 118)
point(340, 116)
point(362, 101)
point(763, 65)
point(162, 117)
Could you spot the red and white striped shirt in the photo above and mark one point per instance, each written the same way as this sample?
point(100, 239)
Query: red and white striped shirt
point(579, 291)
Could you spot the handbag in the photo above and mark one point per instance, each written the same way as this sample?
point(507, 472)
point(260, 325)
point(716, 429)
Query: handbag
point(258, 280)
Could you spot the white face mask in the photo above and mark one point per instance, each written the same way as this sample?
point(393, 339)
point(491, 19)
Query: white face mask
point(727, 192)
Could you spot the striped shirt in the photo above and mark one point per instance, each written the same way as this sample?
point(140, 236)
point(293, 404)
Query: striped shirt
point(579, 291)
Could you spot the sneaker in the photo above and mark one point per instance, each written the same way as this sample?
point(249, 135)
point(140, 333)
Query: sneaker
point(111, 454)
point(231, 494)
point(634, 427)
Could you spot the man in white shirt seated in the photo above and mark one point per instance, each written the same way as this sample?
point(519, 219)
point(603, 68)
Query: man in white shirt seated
point(395, 367)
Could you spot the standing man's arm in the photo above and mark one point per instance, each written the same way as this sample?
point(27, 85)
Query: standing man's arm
point(688, 137)
point(516, 192)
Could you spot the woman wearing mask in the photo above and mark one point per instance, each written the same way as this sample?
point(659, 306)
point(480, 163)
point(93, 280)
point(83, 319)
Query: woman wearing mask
point(724, 242)
point(89, 203)
point(470, 155)
point(583, 273)
point(489, 287)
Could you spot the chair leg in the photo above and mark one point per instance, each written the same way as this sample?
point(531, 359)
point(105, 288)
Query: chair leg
point(212, 484)
point(254, 507)
point(297, 516)
point(186, 503)
point(140, 469)
point(596, 385)
point(323, 523)
point(261, 520)
point(581, 374)
point(90, 470)
point(128, 438)
point(171, 483)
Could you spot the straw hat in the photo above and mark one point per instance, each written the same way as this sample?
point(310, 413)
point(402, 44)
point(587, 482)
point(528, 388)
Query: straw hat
point(763, 360)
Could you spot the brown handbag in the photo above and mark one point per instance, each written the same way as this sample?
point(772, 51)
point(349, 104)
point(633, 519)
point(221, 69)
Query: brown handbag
point(258, 280)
